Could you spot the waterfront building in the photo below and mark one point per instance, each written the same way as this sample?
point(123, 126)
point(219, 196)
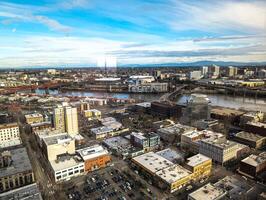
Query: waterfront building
point(94, 157)
point(165, 110)
point(154, 87)
point(252, 117)
point(15, 169)
point(9, 135)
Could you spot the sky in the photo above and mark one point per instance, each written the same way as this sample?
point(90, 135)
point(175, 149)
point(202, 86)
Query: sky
point(64, 33)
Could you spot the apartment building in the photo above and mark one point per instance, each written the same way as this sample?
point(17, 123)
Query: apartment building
point(9, 135)
point(34, 118)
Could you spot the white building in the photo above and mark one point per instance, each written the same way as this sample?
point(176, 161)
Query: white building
point(219, 149)
point(195, 75)
point(204, 71)
point(9, 135)
point(207, 192)
point(66, 167)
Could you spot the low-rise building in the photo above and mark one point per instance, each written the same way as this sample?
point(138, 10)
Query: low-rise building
point(28, 192)
point(251, 116)
point(92, 114)
point(226, 114)
point(41, 126)
point(252, 140)
point(169, 176)
point(101, 132)
point(165, 110)
point(172, 134)
point(253, 165)
point(171, 155)
point(34, 118)
point(199, 165)
point(9, 135)
point(94, 157)
point(208, 192)
point(256, 127)
point(66, 166)
point(219, 149)
point(149, 141)
point(15, 169)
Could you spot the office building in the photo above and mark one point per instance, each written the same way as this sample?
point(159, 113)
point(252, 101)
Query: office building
point(65, 119)
point(59, 118)
point(190, 141)
point(231, 71)
point(169, 176)
point(34, 118)
point(195, 75)
point(253, 165)
point(71, 121)
point(214, 71)
point(65, 167)
point(208, 192)
point(9, 135)
point(204, 72)
point(256, 128)
point(15, 169)
point(94, 157)
point(252, 140)
point(92, 114)
point(54, 145)
point(147, 142)
point(199, 165)
point(219, 149)
point(165, 110)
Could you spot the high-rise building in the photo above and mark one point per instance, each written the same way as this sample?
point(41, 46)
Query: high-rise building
point(231, 71)
point(71, 120)
point(195, 75)
point(59, 118)
point(66, 119)
point(204, 71)
point(214, 71)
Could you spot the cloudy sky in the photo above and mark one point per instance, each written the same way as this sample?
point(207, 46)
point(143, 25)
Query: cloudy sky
point(78, 32)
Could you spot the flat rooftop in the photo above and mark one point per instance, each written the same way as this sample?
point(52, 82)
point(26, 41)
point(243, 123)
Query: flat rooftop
point(193, 134)
point(227, 111)
point(65, 161)
point(197, 159)
point(41, 124)
point(20, 163)
point(249, 136)
point(170, 154)
point(176, 129)
point(92, 152)
point(101, 130)
point(28, 192)
point(144, 104)
point(221, 142)
point(208, 192)
point(173, 173)
point(33, 115)
point(9, 125)
point(57, 139)
point(116, 142)
point(255, 160)
point(258, 124)
point(152, 162)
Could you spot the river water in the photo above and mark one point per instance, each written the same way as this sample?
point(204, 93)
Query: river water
point(216, 99)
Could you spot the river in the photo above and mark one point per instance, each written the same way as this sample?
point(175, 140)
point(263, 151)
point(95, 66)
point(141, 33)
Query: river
point(216, 99)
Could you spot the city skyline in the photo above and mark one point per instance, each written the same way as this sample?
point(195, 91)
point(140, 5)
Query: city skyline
point(78, 32)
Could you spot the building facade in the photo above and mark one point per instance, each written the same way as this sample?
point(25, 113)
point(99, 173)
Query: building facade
point(9, 135)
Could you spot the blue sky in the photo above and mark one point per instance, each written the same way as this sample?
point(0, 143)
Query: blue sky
point(79, 32)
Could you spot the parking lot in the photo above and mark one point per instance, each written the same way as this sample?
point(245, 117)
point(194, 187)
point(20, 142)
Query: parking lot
point(105, 184)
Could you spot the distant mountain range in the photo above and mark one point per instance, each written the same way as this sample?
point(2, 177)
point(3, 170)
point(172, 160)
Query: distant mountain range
point(185, 64)
point(197, 64)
